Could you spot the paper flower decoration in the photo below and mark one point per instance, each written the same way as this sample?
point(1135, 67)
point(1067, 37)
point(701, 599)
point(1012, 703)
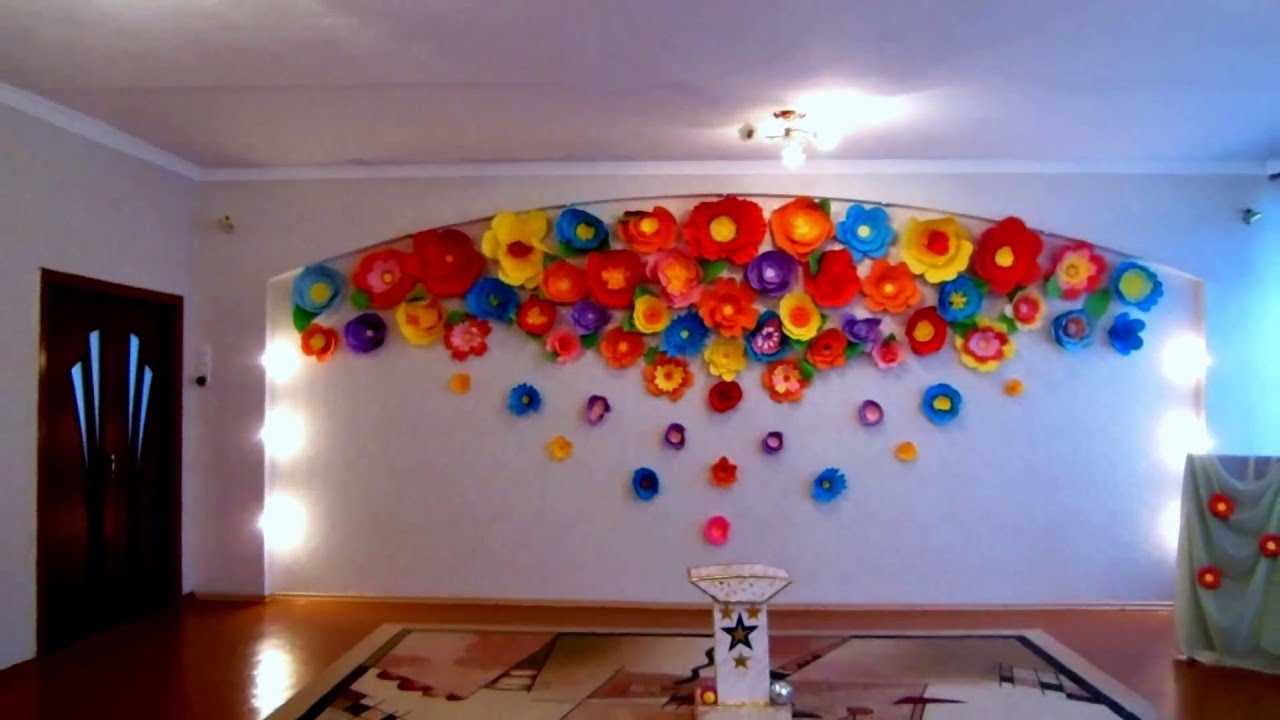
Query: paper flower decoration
point(421, 320)
point(647, 232)
point(771, 273)
point(926, 331)
point(724, 473)
point(668, 377)
point(1008, 256)
point(771, 443)
point(559, 448)
point(1026, 309)
point(865, 231)
point(515, 241)
point(650, 315)
point(678, 275)
point(727, 307)
point(870, 413)
point(828, 485)
point(890, 288)
point(317, 288)
point(725, 357)
point(564, 283)
point(863, 331)
point(906, 451)
point(468, 338)
point(959, 299)
point(492, 299)
point(801, 319)
point(1125, 333)
point(784, 381)
point(715, 531)
point(801, 226)
point(596, 409)
point(612, 276)
point(319, 342)
point(1073, 330)
point(365, 333)
point(887, 353)
point(724, 396)
point(588, 316)
point(1078, 270)
point(564, 345)
point(937, 250)
point(645, 484)
point(827, 349)
point(621, 348)
point(1013, 387)
point(1221, 506)
point(674, 436)
point(727, 229)
point(1269, 546)
point(836, 283)
point(536, 316)
point(1209, 577)
point(984, 346)
point(941, 403)
point(1137, 285)
point(524, 399)
point(580, 231)
point(383, 277)
point(686, 335)
point(460, 383)
point(446, 262)
point(767, 342)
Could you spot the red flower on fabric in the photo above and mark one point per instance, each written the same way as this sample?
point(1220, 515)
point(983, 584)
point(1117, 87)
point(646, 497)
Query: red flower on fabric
point(826, 350)
point(836, 283)
point(727, 306)
point(647, 232)
point(612, 277)
point(1008, 256)
point(1221, 506)
point(724, 396)
point(384, 276)
point(926, 331)
point(724, 473)
point(727, 229)
point(446, 261)
point(536, 316)
point(621, 348)
point(564, 283)
point(1269, 546)
point(1209, 577)
point(468, 338)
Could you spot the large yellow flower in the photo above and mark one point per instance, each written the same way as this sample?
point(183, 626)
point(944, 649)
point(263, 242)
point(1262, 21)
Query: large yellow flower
point(726, 357)
point(651, 315)
point(421, 320)
point(937, 249)
point(514, 240)
point(801, 319)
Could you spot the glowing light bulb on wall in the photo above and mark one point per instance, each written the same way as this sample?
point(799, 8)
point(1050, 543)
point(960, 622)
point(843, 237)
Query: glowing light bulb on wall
point(793, 156)
point(1185, 359)
point(281, 360)
point(1179, 433)
point(283, 522)
point(1169, 524)
point(282, 433)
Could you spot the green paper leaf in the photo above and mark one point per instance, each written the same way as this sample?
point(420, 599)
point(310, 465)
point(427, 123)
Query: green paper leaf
point(548, 258)
point(798, 345)
point(643, 290)
point(1095, 306)
point(713, 269)
point(852, 350)
point(963, 327)
point(807, 370)
point(650, 356)
point(302, 318)
point(1010, 325)
point(628, 323)
point(360, 300)
point(591, 340)
point(454, 317)
point(814, 260)
point(1051, 287)
point(551, 356)
point(982, 285)
point(569, 250)
point(825, 204)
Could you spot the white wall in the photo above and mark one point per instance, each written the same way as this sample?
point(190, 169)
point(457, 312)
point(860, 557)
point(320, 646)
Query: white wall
point(69, 204)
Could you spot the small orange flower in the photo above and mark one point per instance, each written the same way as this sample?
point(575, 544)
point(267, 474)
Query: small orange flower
point(460, 383)
point(1013, 387)
point(727, 306)
point(784, 381)
point(906, 451)
point(890, 287)
point(621, 348)
point(647, 232)
point(564, 283)
point(724, 473)
point(319, 342)
point(800, 227)
point(668, 377)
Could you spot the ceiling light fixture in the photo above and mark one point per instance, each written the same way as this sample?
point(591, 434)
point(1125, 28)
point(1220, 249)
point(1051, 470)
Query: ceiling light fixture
point(788, 127)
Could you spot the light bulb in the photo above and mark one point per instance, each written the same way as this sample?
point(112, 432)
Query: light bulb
point(1185, 359)
point(283, 522)
point(793, 156)
point(281, 360)
point(1179, 433)
point(282, 433)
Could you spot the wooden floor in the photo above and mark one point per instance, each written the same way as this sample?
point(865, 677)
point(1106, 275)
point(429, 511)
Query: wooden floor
point(227, 661)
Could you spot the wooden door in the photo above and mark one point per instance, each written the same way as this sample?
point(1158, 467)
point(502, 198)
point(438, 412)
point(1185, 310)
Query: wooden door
point(108, 500)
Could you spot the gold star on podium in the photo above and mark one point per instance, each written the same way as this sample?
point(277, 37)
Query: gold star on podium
point(753, 613)
point(726, 612)
point(740, 661)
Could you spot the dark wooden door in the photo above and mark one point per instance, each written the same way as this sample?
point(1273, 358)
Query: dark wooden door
point(108, 501)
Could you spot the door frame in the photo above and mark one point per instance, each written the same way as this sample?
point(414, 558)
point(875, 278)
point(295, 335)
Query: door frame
point(50, 279)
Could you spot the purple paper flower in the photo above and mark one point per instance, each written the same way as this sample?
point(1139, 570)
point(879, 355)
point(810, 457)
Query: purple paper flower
point(766, 342)
point(870, 413)
point(865, 331)
point(588, 316)
point(771, 273)
point(365, 332)
point(674, 436)
point(772, 443)
point(597, 408)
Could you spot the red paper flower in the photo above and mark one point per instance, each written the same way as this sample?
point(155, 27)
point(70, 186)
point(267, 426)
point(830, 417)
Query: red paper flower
point(1209, 577)
point(727, 306)
point(826, 350)
point(1078, 270)
point(446, 261)
point(647, 232)
point(1221, 506)
point(801, 226)
point(468, 338)
point(564, 283)
point(784, 381)
point(319, 342)
point(836, 283)
point(724, 396)
point(724, 473)
point(1008, 256)
point(1269, 546)
point(621, 348)
point(384, 276)
point(536, 316)
point(716, 530)
point(728, 229)
point(888, 353)
point(612, 276)
point(926, 331)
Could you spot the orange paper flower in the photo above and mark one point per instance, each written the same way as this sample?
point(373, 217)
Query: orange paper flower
point(727, 306)
point(647, 232)
point(727, 229)
point(826, 351)
point(621, 348)
point(890, 288)
point(319, 342)
point(724, 473)
point(784, 381)
point(612, 276)
point(536, 316)
point(564, 283)
point(668, 377)
point(800, 227)
point(460, 383)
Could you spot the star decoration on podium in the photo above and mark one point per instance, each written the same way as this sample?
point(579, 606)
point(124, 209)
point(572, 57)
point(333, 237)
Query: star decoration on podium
point(741, 661)
point(740, 634)
point(753, 613)
point(726, 612)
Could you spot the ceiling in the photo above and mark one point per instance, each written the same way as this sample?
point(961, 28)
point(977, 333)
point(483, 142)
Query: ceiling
point(248, 83)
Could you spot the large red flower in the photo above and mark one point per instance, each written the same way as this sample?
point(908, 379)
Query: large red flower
point(727, 229)
point(564, 283)
point(1008, 256)
point(612, 277)
point(384, 276)
point(727, 306)
point(446, 261)
point(836, 283)
point(926, 331)
point(826, 351)
point(724, 396)
point(621, 348)
point(647, 232)
point(536, 316)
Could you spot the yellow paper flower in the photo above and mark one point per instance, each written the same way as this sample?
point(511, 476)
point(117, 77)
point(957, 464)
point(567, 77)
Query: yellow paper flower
point(937, 249)
point(651, 315)
point(726, 357)
point(559, 448)
point(1013, 387)
point(460, 383)
point(421, 320)
point(985, 346)
point(514, 240)
point(906, 452)
point(801, 319)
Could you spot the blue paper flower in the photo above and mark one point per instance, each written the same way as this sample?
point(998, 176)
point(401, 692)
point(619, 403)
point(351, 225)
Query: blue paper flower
point(959, 299)
point(1125, 333)
point(828, 485)
point(867, 232)
point(1073, 329)
point(766, 342)
point(524, 399)
point(317, 288)
point(1137, 285)
point(580, 231)
point(941, 403)
point(492, 299)
point(685, 336)
point(645, 483)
